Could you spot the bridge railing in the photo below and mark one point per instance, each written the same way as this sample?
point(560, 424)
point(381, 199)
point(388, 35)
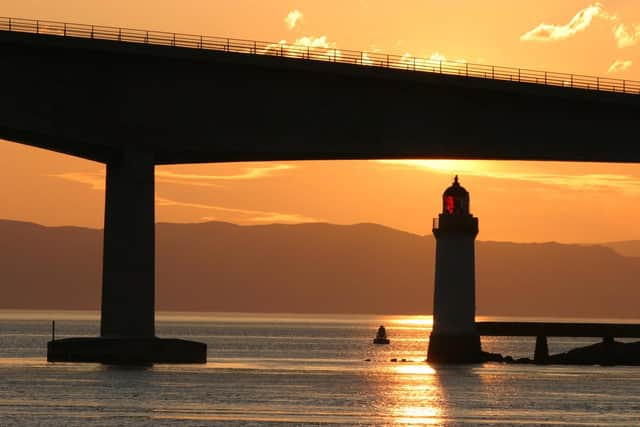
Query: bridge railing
point(324, 52)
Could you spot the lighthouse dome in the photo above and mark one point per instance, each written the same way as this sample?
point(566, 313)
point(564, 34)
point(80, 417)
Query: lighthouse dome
point(455, 199)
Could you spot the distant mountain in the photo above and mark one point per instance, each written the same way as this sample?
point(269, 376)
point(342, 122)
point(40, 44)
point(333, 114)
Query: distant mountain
point(363, 268)
point(625, 248)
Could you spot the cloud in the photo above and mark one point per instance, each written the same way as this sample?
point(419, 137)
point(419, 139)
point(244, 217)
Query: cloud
point(626, 37)
point(305, 47)
point(436, 62)
point(580, 22)
point(311, 41)
point(620, 182)
point(95, 180)
point(236, 215)
point(437, 56)
point(619, 66)
point(254, 172)
point(293, 18)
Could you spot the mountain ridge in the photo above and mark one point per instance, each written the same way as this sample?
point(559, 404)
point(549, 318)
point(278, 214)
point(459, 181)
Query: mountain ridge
point(315, 268)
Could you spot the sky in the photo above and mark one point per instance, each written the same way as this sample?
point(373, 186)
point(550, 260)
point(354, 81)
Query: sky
point(515, 201)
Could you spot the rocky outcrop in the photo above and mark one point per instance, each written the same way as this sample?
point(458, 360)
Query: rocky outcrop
point(606, 353)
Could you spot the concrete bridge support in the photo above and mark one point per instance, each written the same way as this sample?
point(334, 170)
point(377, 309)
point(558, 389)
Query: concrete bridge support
point(128, 269)
point(127, 326)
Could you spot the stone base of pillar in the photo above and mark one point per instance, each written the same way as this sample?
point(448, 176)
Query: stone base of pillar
point(126, 351)
point(454, 349)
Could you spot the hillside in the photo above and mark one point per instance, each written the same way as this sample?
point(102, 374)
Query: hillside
point(363, 268)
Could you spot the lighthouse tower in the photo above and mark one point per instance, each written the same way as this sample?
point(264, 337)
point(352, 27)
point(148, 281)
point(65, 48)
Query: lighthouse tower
point(454, 338)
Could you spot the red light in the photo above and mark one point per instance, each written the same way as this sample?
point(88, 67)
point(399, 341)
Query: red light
point(449, 204)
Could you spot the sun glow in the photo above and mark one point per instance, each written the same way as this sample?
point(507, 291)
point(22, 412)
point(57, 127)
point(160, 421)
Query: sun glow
point(419, 402)
point(466, 167)
point(414, 369)
point(426, 321)
point(420, 415)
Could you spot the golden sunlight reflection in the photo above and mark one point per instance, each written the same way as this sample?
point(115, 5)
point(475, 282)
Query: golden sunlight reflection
point(416, 399)
point(419, 321)
point(419, 415)
point(414, 369)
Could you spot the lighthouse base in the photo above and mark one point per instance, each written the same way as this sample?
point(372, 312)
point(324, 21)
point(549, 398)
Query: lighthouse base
point(454, 349)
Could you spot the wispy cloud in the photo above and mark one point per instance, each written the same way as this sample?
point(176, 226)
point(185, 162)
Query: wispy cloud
point(305, 47)
point(626, 36)
point(314, 47)
point(241, 216)
point(293, 18)
point(254, 172)
point(96, 180)
point(619, 65)
point(311, 41)
point(621, 182)
point(580, 22)
point(434, 62)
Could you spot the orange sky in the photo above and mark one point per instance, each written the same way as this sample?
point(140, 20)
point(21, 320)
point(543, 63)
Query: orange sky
point(518, 201)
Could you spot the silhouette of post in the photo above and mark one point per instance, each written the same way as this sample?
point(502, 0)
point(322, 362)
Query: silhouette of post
point(455, 338)
point(129, 243)
point(541, 353)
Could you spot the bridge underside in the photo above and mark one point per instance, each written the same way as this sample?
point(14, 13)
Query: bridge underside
point(94, 98)
point(134, 106)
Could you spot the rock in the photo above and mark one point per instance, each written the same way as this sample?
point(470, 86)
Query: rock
point(606, 353)
point(492, 357)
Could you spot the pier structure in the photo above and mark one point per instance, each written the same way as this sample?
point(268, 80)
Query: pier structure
point(455, 338)
point(542, 330)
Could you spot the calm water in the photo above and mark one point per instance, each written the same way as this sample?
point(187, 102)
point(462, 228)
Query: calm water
point(300, 370)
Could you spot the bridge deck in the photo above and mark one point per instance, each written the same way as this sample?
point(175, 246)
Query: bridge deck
point(557, 329)
point(322, 53)
point(92, 92)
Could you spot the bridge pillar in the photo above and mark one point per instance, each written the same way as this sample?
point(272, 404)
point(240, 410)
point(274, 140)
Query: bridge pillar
point(128, 269)
point(127, 325)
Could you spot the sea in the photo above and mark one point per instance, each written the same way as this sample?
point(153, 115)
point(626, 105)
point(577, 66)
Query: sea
point(302, 370)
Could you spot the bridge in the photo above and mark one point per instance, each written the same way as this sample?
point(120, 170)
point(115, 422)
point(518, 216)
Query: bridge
point(133, 99)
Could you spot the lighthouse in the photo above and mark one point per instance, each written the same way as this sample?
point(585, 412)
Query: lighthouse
point(454, 338)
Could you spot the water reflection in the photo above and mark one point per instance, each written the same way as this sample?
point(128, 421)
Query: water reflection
point(419, 321)
point(420, 394)
point(416, 398)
